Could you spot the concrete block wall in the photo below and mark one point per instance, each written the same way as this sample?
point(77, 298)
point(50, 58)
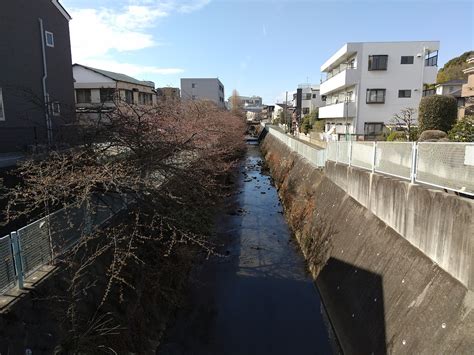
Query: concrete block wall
point(439, 224)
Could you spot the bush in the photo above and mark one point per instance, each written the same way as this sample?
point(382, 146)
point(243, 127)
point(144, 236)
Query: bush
point(437, 113)
point(397, 136)
point(463, 130)
point(318, 126)
point(432, 135)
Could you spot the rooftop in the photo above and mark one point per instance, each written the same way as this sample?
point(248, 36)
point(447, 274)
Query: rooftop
point(453, 82)
point(119, 76)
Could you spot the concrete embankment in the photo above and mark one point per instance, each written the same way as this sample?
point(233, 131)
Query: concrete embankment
point(382, 293)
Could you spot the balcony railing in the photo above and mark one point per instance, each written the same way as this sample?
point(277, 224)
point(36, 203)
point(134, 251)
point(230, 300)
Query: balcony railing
point(336, 71)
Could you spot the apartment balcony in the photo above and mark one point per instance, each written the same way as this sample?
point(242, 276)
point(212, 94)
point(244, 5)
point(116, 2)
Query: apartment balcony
point(347, 77)
point(340, 110)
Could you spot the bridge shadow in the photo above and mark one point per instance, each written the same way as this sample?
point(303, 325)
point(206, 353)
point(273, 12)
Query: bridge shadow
point(353, 298)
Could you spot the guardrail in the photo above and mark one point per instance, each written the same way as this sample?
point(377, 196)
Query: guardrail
point(24, 251)
point(445, 165)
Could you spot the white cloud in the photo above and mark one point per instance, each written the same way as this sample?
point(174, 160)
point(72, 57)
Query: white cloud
point(131, 69)
point(97, 33)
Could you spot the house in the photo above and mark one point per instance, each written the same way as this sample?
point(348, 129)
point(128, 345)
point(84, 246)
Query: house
point(307, 99)
point(97, 91)
point(252, 105)
point(36, 83)
point(453, 88)
point(368, 82)
point(467, 91)
point(267, 113)
point(210, 89)
point(168, 94)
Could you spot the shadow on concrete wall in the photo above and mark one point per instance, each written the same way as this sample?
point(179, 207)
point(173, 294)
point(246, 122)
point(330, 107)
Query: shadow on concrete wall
point(354, 302)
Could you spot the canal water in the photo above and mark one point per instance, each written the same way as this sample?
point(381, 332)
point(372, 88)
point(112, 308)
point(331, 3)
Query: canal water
point(259, 299)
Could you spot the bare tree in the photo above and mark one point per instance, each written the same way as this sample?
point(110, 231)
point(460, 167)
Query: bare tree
point(406, 121)
point(167, 164)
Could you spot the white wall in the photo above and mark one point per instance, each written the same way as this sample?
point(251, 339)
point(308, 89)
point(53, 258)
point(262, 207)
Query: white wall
point(87, 79)
point(397, 77)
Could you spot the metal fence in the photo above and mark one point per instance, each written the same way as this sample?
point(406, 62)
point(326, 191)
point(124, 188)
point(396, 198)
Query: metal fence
point(314, 155)
point(445, 165)
point(7, 268)
point(26, 250)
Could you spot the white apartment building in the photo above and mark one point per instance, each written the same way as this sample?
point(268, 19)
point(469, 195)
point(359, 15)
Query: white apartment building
point(368, 82)
point(203, 89)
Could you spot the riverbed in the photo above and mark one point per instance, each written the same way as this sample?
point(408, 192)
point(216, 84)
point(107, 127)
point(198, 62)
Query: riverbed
point(258, 297)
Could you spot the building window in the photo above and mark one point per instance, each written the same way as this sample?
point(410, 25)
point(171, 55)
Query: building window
point(145, 98)
point(431, 59)
point(83, 96)
point(56, 108)
point(107, 95)
point(378, 62)
point(373, 129)
point(305, 110)
point(49, 38)
point(193, 85)
point(2, 110)
point(407, 59)
point(404, 93)
point(307, 97)
point(128, 96)
point(375, 96)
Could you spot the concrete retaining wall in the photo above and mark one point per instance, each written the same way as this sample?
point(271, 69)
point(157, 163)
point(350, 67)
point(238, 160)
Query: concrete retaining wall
point(439, 224)
point(382, 293)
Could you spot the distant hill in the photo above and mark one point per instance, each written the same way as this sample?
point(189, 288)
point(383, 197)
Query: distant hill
point(453, 69)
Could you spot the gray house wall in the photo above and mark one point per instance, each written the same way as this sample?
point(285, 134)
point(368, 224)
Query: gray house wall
point(204, 89)
point(21, 73)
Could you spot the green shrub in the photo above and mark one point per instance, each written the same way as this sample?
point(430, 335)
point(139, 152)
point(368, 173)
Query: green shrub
point(318, 126)
point(437, 113)
point(397, 136)
point(463, 130)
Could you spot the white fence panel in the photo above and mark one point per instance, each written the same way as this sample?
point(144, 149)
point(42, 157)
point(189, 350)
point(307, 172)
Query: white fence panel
point(332, 151)
point(363, 154)
point(446, 165)
point(343, 152)
point(394, 158)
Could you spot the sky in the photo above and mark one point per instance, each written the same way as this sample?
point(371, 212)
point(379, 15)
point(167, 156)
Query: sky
point(262, 47)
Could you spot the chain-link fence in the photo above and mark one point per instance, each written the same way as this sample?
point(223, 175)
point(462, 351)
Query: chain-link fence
point(40, 242)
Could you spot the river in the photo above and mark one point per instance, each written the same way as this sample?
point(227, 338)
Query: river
point(259, 299)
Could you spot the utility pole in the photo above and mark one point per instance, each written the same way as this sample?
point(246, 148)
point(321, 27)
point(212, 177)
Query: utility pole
point(286, 112)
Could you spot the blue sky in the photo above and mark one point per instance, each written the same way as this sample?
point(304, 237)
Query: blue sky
point(257, 47)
